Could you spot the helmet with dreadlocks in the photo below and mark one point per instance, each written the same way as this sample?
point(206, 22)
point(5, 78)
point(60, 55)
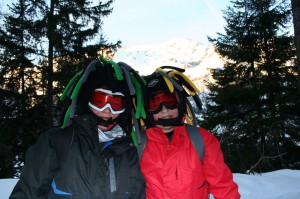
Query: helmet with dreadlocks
point(170, 88)
point(106, 84)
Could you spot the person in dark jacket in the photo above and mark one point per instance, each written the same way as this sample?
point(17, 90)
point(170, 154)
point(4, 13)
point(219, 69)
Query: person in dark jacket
point(170, 163)
point(101, 162)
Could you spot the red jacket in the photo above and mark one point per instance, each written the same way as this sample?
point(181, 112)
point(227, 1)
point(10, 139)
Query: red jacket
point(174, 170)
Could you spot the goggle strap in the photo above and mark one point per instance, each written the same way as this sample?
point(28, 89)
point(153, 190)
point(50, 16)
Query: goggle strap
point(169, 122)
point(109, 92)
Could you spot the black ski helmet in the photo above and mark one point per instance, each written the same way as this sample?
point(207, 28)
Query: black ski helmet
point(157, 83)
point(102, 74)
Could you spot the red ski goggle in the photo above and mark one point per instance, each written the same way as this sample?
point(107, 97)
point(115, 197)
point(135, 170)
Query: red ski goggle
point(102, 99)
point(167, 99)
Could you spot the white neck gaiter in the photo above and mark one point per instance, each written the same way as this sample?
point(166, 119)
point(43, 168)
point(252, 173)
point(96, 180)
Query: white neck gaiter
point(115, 132)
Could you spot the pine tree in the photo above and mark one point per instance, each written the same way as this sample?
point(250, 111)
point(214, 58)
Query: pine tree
point(71, 26)
point(43, 44)
point(18, 86)
point(252, 105)
point(296, 21)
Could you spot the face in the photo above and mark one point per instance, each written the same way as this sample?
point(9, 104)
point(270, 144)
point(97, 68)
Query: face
point(106, 114)
point(107, 105)
point(166, 113)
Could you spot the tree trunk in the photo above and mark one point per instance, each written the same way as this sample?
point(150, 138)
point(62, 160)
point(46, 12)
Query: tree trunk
point(296, 21)
point(49, 95)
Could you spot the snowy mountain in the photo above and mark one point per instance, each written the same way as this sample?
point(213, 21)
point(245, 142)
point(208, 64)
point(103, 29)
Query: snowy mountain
point(191, 55)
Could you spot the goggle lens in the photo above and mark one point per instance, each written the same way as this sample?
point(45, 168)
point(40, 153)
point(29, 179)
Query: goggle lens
point(170, 100)
point(102, 99)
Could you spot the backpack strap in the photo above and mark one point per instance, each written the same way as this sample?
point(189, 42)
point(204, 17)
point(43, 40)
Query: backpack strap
point(194, 134)
point(196, 139)
point(63, 143)
point(141, 146)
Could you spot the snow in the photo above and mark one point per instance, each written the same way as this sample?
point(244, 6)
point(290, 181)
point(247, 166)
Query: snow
point(272, 185)
point(196, 58)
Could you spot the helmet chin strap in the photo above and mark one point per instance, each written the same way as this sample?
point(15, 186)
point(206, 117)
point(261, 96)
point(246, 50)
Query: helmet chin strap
point(169, 122)
point(110, 123)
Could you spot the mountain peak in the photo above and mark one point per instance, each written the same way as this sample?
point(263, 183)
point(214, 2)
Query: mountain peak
point(182, 52)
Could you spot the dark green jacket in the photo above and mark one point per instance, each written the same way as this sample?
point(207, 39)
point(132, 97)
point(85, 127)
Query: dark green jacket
point(87, 171)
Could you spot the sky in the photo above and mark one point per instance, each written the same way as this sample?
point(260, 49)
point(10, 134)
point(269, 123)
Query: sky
point(136, 22)
point(281, 184)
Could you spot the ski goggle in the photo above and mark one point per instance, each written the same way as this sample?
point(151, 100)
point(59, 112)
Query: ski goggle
point(167, 99)
point(102, 99)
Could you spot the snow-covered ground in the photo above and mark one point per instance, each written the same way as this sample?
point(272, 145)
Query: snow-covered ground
point(281, 184)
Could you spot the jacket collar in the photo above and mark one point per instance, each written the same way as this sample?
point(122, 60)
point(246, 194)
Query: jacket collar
point(155, 134)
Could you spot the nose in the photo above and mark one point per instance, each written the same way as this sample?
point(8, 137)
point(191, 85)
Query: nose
point(164, 109)
point(107, 110)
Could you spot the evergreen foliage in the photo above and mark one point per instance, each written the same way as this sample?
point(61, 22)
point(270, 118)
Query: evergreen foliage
point(42, 44)
point(253, 105)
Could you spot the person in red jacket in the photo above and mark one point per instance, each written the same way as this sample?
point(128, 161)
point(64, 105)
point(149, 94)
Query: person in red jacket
point(169, 162)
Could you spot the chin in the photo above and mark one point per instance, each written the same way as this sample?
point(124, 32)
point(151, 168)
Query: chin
point(167, 129)
point(102, 128)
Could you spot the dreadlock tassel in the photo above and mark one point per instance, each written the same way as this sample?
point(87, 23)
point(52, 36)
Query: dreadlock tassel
point(142, 122)
point(133, 136)
point(127, 77)
point(73, 107)
point(196, 90)
point(71, 110)
point(190, 84)
point(188, 120)
point(179, 78)
point(136, 128)
point(191, 113)
point(140, 77)
point(91, 67)
point(187, 88)
point(170, 81)
point(139, 106)
point(70, 84)
point(167, 80)
point(115, 67)
point(66, 118)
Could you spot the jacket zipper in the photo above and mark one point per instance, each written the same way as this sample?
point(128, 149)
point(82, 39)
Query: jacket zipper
point(106, 166)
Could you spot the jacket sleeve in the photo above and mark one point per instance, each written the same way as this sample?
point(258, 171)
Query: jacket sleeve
point(218, 175)
point(39, 168)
